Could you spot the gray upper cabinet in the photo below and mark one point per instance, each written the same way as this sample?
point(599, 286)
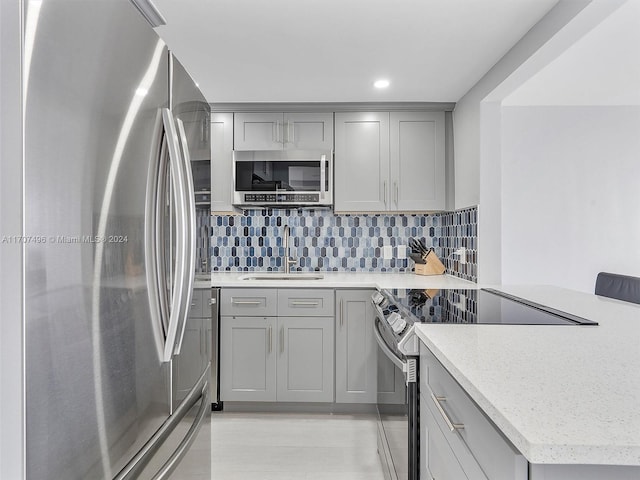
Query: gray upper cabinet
point(308, 131)
point(356, 379)
point(283, 131)
point(257, 131)
point(417, 142)
point(389, 161)
point(361, 162)
point(222, 163)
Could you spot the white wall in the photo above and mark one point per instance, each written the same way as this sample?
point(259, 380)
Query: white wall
point(570, 194)
point(467, 117)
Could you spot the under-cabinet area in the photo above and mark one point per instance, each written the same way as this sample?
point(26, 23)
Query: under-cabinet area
point(300, 345)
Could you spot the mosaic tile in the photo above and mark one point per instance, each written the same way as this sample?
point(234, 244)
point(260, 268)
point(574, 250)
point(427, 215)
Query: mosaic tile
point(324, 241)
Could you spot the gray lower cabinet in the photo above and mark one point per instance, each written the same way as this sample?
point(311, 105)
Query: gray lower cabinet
point(390, 380)
point(248, 358)
point(286, 355)
point(196, 344)
point(356, 379)
point(305, 359)
point(457, 440)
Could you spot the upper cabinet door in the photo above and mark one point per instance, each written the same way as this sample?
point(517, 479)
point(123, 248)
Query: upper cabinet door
point(308, 131)
point(417, 142)
point(258, 131)
point(362, 162)
point(222, 163)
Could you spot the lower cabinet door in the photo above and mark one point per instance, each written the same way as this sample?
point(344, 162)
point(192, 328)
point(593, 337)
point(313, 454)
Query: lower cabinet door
point(189, 365)
point(356, 347)
point(248, 358)
point(305, 359)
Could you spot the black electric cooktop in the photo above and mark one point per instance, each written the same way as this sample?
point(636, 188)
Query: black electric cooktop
point(483, 306)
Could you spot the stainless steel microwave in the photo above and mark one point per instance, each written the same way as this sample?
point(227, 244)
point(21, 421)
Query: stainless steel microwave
point(298, 178)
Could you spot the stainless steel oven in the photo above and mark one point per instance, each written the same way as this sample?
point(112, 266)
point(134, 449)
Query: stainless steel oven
point(283, 178)
point(398, 395)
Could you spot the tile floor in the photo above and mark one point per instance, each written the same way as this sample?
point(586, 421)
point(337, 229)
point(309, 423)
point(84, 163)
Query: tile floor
point(276, 446)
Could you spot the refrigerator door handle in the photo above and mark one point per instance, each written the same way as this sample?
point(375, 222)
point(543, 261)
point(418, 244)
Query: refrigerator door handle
point(178, 306)
point(153, 225)
point(200, 391)
point(190, 231)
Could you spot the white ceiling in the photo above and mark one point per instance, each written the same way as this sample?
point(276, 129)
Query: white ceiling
point(333, 50)
point(602, 68)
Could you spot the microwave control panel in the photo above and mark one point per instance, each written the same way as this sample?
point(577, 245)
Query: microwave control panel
point(282, 197)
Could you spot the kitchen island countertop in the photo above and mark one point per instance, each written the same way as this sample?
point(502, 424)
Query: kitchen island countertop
point(560, 394)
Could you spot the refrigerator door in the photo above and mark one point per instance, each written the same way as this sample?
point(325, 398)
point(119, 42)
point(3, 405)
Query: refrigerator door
point(97, 388)
point(192, 115)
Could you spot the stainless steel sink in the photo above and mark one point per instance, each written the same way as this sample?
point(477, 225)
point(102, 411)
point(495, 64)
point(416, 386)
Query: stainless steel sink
point(282, 276)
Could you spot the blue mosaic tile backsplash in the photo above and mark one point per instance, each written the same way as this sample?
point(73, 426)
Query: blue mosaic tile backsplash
point(324, 241)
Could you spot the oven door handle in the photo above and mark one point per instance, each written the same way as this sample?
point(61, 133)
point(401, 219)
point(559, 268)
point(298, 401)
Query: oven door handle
point(397, 361)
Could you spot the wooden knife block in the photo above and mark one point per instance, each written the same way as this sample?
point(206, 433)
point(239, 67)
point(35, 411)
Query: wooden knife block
point(431, 266)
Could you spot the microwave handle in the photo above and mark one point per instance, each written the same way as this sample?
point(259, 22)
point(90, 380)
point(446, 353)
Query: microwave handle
point(323, 175)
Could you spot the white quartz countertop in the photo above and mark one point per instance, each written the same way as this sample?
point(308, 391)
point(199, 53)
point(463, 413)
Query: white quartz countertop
point(343, 280)
point(560, 394)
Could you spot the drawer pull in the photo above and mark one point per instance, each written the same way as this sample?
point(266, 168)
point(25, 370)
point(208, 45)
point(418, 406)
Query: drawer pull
point(304, 304)
point(246, 302)
point(452, 426)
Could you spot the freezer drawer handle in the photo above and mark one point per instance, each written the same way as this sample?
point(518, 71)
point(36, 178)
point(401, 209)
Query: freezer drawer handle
point(200, 391)
point(438, 402)
point(246, 302)
point(171, 464)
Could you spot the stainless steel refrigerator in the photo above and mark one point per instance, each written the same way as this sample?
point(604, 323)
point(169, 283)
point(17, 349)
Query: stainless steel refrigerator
point(109, 265)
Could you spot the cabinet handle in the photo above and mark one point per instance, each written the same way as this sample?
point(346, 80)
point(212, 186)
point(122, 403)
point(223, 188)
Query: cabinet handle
point(278, 133)
point(281, 339)
point(341, 314)
point(305, 304)
point(246, 302)
point(395, 185)
point(291, 127)
point(385, 192)
point(270, 338)
point(452, 426)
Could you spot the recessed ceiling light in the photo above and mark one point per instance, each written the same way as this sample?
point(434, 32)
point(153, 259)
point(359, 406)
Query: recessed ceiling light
point(381, 83)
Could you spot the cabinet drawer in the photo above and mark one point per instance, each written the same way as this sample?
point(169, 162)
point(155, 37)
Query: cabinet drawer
point(437, 458)
point(305, 303)
point(248, 301)
point(498, 459)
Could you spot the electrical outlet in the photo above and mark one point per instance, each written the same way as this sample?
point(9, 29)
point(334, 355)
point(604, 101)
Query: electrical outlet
point(387, 252)
point(402, 252)
point(462, 255)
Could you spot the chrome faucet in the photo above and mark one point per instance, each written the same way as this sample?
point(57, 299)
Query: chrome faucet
point(288, 261)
